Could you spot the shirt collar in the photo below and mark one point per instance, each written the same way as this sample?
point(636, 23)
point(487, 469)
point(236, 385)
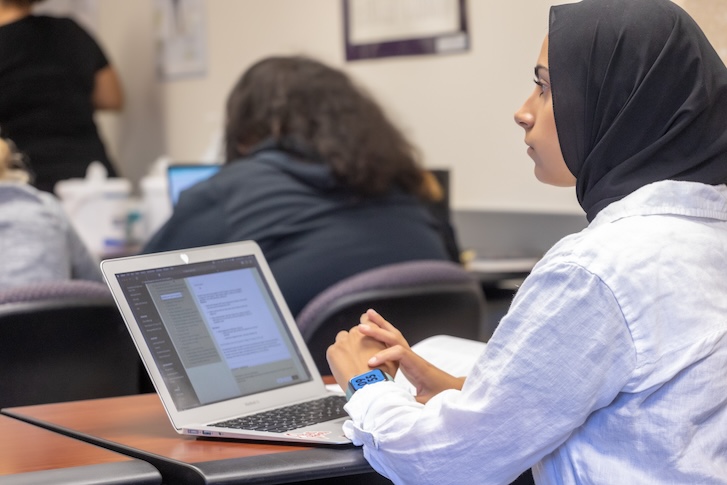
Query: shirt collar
point(669, 197)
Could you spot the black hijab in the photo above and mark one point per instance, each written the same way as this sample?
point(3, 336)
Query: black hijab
point(639, 95)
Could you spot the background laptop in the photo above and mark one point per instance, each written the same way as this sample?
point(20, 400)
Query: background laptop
point(219, 343)
point(183, 176)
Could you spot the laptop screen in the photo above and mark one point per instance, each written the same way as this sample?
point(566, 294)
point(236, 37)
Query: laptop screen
point(214, 330)
point(183, 176)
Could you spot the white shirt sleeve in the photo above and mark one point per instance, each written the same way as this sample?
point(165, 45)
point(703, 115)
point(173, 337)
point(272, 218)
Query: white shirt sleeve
point(562, 352)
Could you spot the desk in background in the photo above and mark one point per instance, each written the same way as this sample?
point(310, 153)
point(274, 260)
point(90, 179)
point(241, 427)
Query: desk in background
point(139, 427)
point(505, 245)
point(29, 454)
point(501, 248)
point(502, 272)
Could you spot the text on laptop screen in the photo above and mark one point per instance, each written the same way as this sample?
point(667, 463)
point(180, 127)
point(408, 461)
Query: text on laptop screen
point(214, 330)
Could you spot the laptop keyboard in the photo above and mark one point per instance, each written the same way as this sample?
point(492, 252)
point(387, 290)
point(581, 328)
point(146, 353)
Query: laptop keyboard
point(290, 417)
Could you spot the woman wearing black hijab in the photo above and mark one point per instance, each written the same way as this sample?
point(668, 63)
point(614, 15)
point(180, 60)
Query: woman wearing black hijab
point(641, 97)
point(610, 364)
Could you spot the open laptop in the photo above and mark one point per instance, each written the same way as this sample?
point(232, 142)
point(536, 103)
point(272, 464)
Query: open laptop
point(184, 175)
point(220, 345)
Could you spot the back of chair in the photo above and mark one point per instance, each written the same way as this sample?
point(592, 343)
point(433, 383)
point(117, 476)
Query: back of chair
point(64, 341)
point(62, 290)
point(422, 298)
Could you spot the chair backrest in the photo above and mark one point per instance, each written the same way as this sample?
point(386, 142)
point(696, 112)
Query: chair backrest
point(63, 341)
point(422, 298)
point(63, 290)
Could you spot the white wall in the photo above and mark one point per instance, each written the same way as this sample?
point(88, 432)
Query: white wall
point(456, 108)
point(138, 135)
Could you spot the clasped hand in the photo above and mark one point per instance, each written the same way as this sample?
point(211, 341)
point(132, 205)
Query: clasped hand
point(376, 343)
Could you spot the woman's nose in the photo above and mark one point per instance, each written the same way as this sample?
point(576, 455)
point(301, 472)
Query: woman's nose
point(524, 118)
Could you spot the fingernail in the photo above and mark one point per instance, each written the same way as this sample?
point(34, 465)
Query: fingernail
point(364, 326)
point(373, 360)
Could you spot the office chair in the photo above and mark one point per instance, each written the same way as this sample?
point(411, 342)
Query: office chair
point(422, 298)
point(64, 290)
point(63, 341)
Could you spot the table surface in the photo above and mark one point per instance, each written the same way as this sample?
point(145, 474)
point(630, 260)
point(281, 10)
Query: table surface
point(30, 454)
point(139, 427)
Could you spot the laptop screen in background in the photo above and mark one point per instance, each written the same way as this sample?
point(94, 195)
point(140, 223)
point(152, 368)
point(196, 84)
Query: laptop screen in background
point(214, 330)
point(183, 176)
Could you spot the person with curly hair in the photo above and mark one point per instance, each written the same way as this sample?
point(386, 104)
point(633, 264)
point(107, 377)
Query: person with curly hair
point(318, 175)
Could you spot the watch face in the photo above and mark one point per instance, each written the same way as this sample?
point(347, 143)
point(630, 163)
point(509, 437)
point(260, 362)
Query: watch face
point(368, 378)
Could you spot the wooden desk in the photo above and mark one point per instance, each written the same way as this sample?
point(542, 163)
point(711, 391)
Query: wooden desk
point(138, 426)
point(29, 454)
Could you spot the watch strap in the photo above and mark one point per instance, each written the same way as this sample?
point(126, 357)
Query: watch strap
point(350, 390)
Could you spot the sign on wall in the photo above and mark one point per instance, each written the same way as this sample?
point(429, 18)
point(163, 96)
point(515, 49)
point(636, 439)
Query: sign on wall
point(384, 28)
point(181, 38)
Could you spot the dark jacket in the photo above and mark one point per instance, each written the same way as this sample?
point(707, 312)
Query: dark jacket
point(313, 231)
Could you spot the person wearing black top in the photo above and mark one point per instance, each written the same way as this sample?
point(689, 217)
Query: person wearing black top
point(53, 75)
point(317, 175)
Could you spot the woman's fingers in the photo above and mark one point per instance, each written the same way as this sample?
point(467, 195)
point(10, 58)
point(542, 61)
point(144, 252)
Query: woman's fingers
point(380, 334)
point(374, 317)
point(390, 354)
point(374, 325)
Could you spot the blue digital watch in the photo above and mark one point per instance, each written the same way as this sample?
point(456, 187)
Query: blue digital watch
point(361, 380)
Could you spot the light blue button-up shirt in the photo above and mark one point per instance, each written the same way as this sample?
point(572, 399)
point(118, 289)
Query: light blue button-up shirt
point(609, 368)
point(37, 241)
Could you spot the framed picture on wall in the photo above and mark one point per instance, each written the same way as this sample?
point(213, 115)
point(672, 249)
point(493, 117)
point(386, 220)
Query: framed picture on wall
point(385, 28)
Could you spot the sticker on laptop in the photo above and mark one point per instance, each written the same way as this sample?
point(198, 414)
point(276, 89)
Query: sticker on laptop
point(310, 434)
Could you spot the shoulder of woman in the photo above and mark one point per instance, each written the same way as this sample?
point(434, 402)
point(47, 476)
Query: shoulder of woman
point(67, 27)
point(18, 191)
point(25, 201)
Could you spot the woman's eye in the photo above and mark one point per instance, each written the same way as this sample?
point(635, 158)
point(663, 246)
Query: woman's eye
point(543, 86)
